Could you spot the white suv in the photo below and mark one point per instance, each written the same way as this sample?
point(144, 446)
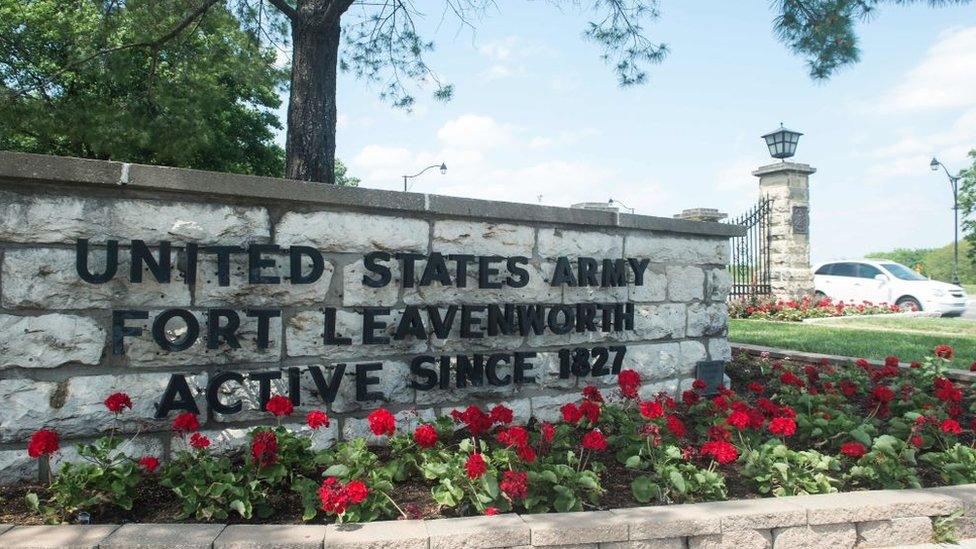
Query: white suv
point(887, 282)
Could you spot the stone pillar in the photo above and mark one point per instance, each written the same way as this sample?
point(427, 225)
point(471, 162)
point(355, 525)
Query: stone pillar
point(788, 185)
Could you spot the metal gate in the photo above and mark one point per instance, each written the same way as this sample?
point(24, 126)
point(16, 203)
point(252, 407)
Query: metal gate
point(749, 265)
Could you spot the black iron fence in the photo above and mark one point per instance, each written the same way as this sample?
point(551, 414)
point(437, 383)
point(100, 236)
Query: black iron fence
point(749, 262)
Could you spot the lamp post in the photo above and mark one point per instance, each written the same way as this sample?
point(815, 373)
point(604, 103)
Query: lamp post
point(442, 166)
point(954, 183)
point(782, 142)
point(621, 204)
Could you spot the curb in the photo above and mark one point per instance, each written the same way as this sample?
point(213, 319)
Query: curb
point(878, 518)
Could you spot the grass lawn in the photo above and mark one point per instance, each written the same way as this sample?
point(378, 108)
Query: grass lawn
point(970, 288)
point(854, 342)
point(930, 325)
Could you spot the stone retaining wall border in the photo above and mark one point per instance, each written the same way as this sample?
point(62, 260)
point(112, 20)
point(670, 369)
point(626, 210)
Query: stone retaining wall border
point(880, 518)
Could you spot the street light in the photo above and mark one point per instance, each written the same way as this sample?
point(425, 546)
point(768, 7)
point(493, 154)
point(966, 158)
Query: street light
point(782, 142)
point(954, 183)
point(622, 205)
point(442, 166)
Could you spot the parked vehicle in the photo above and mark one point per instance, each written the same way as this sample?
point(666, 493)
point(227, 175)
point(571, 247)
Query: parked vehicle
point(887, 282)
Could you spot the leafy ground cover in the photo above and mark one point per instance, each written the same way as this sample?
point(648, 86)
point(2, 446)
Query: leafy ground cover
point(783, 428)
point(849, 341)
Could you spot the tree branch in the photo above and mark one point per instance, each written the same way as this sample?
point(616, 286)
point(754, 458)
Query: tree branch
point(152, 44)
point(285, 8)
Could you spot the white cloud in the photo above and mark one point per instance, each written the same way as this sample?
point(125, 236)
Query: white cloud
point(910, 155)
point(563, 139)
point(945, 78)
point(471, 131)
point(486, 159)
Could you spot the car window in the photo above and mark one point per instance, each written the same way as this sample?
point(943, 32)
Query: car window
point(824, 270)
point(844, 269)
point(867, 271)
point(902, 272)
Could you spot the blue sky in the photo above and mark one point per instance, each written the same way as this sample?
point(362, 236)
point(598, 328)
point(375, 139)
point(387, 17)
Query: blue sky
point(536, 112)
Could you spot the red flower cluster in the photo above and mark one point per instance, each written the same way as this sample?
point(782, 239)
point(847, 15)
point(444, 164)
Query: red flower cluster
point(264, 448)
point(782, 426)
point(336, 497)
point(474, 418)
point(651, 409)
point(279, 406)
point(721, 451)
point(43, 442)
point(199, 441)
point(853, 449)
point(186, 423)
point(382, 422)
point(118, 402)
point(595, 441)
point(425, 436)
point(476, 466)
point(945, 352)
point(316, 419)
point(515, 484)
point(149, 463)
point(629, 382)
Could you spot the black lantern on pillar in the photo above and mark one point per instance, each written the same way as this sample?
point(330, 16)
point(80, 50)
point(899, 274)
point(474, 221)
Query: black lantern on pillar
point(782, 142)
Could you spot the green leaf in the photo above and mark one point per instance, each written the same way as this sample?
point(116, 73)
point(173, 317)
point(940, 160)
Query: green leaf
point(238, 505)
point(337, 470)
point(643, 489)
point(678, 482)
point(33, 501)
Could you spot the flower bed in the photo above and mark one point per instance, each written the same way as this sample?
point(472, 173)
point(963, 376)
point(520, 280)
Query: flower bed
point(784, 428)
point(795, 311)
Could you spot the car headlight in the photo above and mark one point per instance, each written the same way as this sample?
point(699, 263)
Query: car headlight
point(938, 292)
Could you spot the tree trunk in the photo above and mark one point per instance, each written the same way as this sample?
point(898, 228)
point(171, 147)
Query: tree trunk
point(310, 145)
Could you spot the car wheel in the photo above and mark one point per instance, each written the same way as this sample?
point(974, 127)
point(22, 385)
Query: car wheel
point(909, 304)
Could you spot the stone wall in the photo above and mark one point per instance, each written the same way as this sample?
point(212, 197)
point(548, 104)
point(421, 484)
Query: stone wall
point(56, 331)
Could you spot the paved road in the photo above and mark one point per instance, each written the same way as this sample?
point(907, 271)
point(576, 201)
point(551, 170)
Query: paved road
point(970, 313)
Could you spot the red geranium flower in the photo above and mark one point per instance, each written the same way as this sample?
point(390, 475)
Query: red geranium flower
point(946, 391)
point(279, 406)
point(502, 414)
point(474, 419)
point(690, 398)
point(43, 442)
point(264, 448)
point(853, 449)
point(571, 413)
point(186, 423)
point(316, 419)
point(591, 392)
point(721, 451)
point(547, 431)
point(149, 463)
point(651, 409)
point(676, 426)
point(738, 419)
point(594, 440)
point(425, 436)
point(950, 426)
point(515, 484)
point(591, 410)
point(756, 387)
point(629, 382)
point(476, 466)
point(916, 441)
point(699, 385)
point(199, 441)
point(382, 422)
point(513, 436)
point(357, 490)
point(782, 426)
point(972, 367)
point(882, 394)
point(944, 351)
point(117, 402)
point(491, 511)
point(526, 453)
